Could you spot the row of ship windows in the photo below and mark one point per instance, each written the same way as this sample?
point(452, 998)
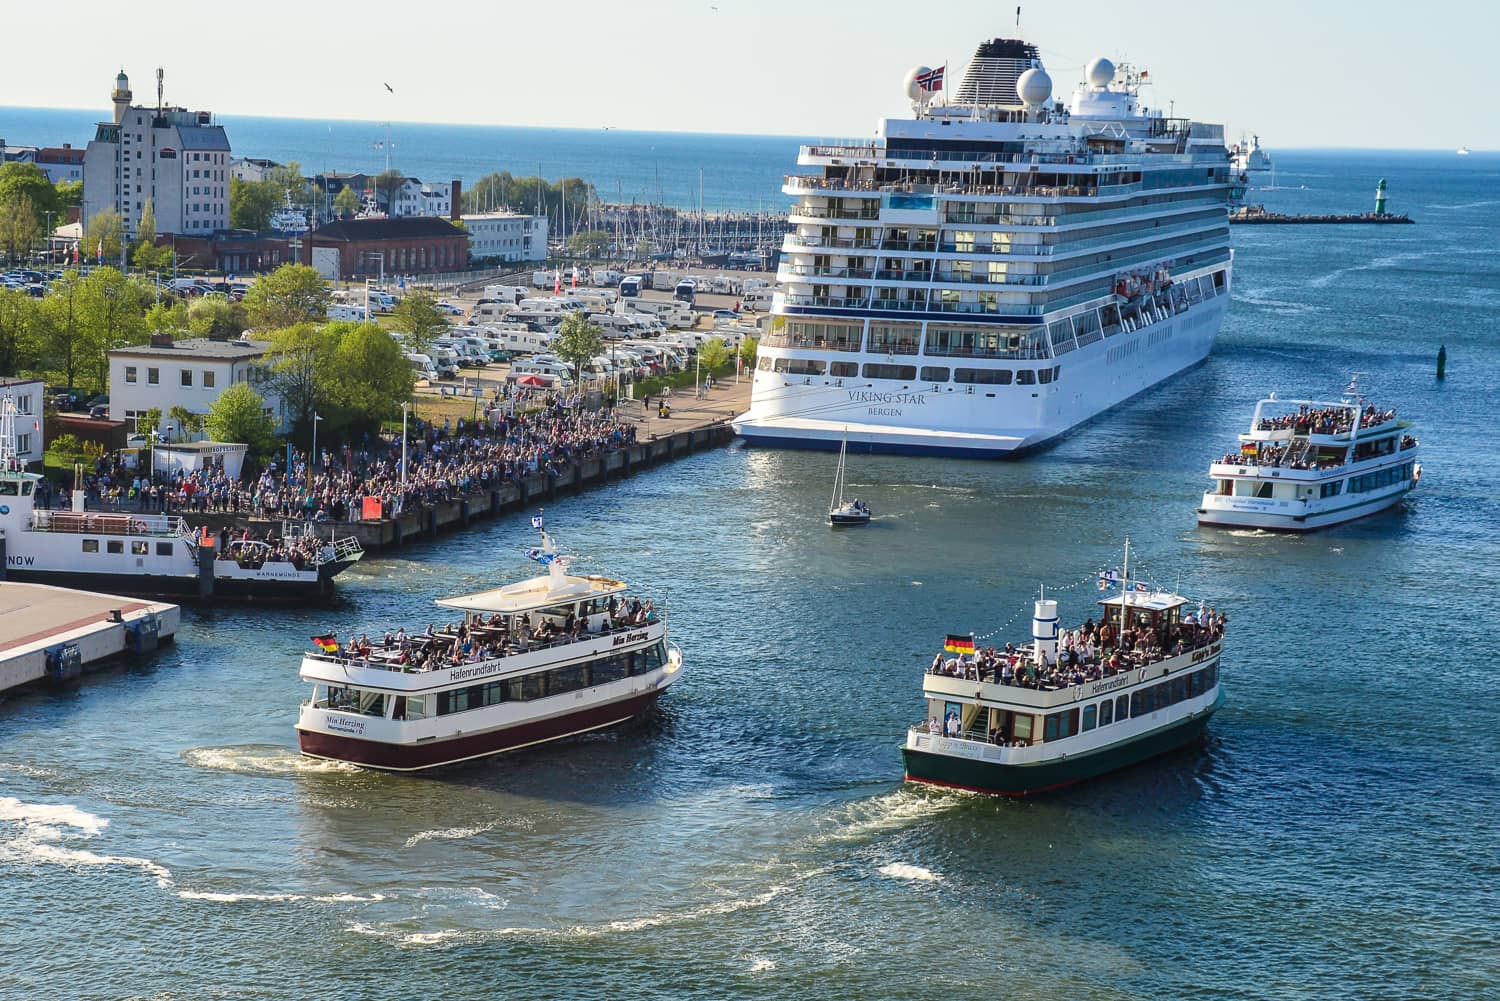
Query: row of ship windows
point(910, 373)
point(138, 547)
point(540, 685)
point(1020, 728)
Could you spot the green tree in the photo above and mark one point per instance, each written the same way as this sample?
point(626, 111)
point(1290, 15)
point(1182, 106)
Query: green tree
point(169, 316)
point(18, 180)
point(346, 202)
point(69, 194)
point(218, 318)
point(577, 342)
point(714, 355)
point(113, 313)
point(386, 183)
point(106, 230)
point(252, 203)
point(148, 423)
point(371, 377)
point(289, 180)
point(293, 293)
point(748, 349)
point(301, 360)
point(22, 331)
point(187, 421)
point(589, 243)
point(20, 228)
point(239, 415)
point(62, 345)
point(145, 255)
point(417, 318)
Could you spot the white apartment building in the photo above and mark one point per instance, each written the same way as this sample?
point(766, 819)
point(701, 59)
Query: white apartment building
point(506, 236)
point(27, 393)
point(252, 168)
point(190, 373)
point(178, 159)
point(413, 198)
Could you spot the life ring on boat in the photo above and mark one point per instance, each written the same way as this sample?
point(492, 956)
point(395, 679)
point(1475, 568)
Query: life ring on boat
point(139, 526)
point(1142, 675)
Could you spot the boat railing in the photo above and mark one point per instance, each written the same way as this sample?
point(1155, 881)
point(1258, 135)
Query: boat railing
point(110, 523)
point(383, 659)
point(1037, 682)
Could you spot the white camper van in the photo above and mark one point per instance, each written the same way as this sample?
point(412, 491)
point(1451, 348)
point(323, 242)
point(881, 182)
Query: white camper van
point(543, 365)
point(758, 299)
point(422, 367)
point(506, 293)
point(674, 314)
point(353, 314)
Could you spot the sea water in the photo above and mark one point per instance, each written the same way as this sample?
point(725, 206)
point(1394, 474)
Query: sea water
point(1335, 836)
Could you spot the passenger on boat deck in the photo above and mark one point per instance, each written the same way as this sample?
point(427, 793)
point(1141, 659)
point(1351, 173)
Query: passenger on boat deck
point(933, 726)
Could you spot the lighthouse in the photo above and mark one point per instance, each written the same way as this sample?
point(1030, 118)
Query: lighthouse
point(1380, 197)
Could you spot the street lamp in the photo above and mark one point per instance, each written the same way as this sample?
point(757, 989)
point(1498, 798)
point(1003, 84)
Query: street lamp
point(405, 408)
point(316, 421)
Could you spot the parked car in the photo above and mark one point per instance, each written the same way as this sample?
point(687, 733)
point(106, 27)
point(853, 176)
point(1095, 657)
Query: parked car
point(725, 314)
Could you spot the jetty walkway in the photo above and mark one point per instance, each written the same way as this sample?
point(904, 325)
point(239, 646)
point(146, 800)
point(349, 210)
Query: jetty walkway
point(695, 424)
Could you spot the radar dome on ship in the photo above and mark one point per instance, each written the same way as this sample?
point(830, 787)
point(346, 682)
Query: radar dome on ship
point(913, 89)
point(1034, 86)
point(1100, 73)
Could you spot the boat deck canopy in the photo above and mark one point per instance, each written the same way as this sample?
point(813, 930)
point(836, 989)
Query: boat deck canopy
point(1155, 601)
point(538, 592)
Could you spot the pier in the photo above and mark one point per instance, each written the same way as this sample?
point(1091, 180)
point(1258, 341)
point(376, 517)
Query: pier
point(1257, 215)
point(56, 633)
point(696, 425)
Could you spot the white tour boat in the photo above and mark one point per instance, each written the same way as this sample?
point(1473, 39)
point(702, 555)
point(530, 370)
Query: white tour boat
point(1018, 721)
point(996, 269)
point(151, 554)
point(1309, 464)
point(529, 662)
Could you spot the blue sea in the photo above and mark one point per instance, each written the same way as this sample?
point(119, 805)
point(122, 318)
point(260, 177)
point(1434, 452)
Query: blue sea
point(739, 172)
point(1336, 836)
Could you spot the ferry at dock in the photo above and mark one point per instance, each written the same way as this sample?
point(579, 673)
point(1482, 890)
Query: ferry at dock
point(530, 662)
point(1023, 720)
point(996, 270)
point(1310, 464)
point(152, 554)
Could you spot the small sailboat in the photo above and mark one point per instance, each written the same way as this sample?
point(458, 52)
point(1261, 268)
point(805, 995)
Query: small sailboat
point(1463, 151)
point(841, 512)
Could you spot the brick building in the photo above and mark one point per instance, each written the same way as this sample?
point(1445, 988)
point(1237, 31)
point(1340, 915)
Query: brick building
point(358, 248)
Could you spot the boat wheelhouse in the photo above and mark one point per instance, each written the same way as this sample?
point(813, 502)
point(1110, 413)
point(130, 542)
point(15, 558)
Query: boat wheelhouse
point(1017, 721)
point(997, 269)
point(529, 662)
point(1309, 464)
point(137, 553)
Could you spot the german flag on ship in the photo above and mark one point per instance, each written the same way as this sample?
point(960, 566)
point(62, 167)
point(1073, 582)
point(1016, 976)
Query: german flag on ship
point(328, 644)
point(959, 644)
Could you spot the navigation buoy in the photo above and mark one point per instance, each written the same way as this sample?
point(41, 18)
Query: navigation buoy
point(1380, 197)
point(1442, 362)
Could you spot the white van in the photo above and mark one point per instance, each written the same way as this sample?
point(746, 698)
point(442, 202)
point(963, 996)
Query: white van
point(506, 293)
point(674, 314)
point(543, 365)
point(445, 360)
point(516, 339)
point(422, 367)
point(544, 279)
point(353, 314)
point(758, 299)
point(604, 277)
point(382, 302)
point(466, 353)
point(546, 322)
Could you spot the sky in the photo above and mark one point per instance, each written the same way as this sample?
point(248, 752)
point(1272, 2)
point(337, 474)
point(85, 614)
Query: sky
point(1309, 73)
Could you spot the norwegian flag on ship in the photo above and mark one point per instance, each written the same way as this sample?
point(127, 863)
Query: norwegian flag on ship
point(932, 79)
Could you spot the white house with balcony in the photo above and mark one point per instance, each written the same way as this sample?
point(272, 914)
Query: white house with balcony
point(506, 236)
point(191, 374)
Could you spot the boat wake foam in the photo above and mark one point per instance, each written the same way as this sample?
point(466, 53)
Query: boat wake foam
point(915, 873)
point(889, 811)
point(262, 759)
point(42, 829)
point(451, 833)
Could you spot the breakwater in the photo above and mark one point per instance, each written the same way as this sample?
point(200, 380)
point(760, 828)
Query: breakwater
point(429, 521)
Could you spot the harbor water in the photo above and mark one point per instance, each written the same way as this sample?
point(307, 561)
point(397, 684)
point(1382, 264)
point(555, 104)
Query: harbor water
point(1338, 834)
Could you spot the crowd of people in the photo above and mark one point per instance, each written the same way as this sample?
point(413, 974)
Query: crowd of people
point(1092, 652)
point(481, 638)
point(1326, 420)
point(252, 550)
point(444, 462)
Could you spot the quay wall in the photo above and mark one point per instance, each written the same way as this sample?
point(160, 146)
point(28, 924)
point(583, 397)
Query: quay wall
point(24, 662)
point(538, 488)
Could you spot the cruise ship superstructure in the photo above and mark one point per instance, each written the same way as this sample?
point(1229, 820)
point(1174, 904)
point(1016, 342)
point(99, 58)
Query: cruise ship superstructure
point(997, 269)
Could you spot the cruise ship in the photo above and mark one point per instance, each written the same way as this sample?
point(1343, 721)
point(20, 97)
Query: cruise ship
point(997, 269)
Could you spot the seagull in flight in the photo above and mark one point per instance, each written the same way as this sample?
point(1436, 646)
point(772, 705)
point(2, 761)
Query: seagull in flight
point(390, 88)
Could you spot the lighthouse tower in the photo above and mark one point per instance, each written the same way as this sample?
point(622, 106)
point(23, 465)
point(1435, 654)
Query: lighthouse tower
point(1380, 197)
point(121, 96)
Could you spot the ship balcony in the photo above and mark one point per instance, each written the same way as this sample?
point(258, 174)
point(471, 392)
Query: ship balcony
point(824, 301)
point(795, 184)
point(832, 214)
point(791, 272)
point(793, 242)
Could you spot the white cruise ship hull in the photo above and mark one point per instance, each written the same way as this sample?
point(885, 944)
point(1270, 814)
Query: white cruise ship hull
point(1294, 515)
point(990, 422)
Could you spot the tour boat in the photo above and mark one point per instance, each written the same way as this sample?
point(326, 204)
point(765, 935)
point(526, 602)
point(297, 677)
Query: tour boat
point(840, 511)
point(1019, 721)
point(1309, 464)
point(151, 554)
point(529, 662)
